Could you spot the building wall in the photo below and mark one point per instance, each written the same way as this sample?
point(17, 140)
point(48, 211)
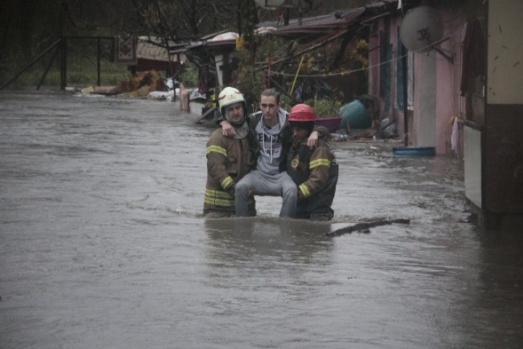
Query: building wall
point(503, 148)
point(449, 102)
point(505, 52)
point(374, 60)
point(435, 86)
point(425, 94)
point(397, 111)
point(375, 64)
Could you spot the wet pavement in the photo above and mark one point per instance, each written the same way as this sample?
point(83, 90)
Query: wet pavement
point(103, 245)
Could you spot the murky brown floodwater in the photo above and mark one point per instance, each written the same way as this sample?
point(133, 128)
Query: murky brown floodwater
point(102, 245)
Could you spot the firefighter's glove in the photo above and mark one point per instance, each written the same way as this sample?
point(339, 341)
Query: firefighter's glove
point(231, 189)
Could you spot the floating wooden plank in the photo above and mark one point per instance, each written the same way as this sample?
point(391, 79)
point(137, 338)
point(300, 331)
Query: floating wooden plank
point(364, 227)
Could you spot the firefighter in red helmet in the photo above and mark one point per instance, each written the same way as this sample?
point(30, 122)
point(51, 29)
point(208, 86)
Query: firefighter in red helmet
point(314, 171)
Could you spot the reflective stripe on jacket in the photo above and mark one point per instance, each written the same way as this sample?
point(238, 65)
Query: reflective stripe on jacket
point(316, 174)
point(228, 160)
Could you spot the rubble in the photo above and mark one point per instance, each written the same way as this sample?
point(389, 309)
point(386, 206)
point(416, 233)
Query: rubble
point(147, 84)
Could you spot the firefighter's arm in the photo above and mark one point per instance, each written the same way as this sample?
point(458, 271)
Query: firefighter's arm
point(318, 132)
point(227, 129)
point(319, 168)
point(217, 163)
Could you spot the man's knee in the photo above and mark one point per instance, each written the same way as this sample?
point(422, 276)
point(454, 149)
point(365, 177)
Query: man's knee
point(290, 190)
point(241, 188)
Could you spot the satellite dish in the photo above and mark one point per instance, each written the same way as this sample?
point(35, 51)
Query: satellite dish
point(421, 28)
point(269, 4)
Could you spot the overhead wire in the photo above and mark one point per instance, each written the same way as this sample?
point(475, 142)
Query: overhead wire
point(344, 73)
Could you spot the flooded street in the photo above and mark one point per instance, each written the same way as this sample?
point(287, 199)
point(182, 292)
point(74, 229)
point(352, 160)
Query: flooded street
point(103, 244)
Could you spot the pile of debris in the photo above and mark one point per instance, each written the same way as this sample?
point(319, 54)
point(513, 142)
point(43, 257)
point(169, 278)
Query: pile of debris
point(138, 85)
point(141, 84)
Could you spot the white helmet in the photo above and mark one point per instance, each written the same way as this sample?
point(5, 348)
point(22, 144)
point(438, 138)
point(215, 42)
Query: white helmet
point(228, 96)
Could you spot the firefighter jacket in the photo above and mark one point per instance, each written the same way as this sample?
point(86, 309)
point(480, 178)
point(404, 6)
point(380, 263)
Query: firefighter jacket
point(315, 171)
point(228, 160)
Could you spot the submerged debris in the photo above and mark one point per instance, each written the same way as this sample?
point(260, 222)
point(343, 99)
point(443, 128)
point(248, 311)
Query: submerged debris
point(364, 227)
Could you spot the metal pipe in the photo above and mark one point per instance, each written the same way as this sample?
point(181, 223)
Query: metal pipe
point(296, 76)
point(30, 64)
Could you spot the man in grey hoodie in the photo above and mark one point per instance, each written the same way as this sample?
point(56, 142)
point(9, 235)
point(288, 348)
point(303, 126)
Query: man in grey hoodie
point(273, 138)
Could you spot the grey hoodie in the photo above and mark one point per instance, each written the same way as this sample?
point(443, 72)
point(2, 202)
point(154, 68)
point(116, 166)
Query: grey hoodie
point(271, 147)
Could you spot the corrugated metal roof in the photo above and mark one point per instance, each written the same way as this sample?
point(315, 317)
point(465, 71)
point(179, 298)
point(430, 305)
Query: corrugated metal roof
point(152, 49)
point(149, 50)
point(311, 28)
point(320, 25)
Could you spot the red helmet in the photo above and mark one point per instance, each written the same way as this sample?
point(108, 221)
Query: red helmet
point(302, 113)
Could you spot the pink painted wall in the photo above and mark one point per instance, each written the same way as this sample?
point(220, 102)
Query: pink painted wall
point(446, 96)
point(449, 103)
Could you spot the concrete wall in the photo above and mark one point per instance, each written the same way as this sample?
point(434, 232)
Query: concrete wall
point(374, 60)
point(435, 85)
point(374, 71)
point(449, 102)
point(424, 127)
point(505, 52)
point(503, 146)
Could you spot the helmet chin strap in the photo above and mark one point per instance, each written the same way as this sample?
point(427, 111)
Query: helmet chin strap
point(238, 123)
point(242, 130)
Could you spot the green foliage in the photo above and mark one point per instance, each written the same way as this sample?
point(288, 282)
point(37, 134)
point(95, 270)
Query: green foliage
point(324, 107)
point(249, 80)
point(269, 49)
point(251, 63)
point(286, 102)
point(189, 76)
point(182, 19)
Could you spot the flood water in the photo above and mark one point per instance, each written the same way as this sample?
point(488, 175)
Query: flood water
point(103, 245)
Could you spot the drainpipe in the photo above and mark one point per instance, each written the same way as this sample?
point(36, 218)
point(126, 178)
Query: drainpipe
point(63, 64)
point(405, 98)
point(299, 12)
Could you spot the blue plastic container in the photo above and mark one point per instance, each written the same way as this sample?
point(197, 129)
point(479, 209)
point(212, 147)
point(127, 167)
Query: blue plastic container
point(420, 151)
point(355, 114)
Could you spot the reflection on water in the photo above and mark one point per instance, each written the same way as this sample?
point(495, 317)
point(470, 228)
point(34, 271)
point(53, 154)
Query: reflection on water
point(268, 240)
point(103, 244)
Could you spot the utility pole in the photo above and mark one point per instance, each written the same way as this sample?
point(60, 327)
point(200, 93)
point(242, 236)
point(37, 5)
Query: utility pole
point(299, 12)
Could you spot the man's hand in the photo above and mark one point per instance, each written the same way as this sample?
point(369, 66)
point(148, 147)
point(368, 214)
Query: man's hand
point(312, 141)
point(227, 129)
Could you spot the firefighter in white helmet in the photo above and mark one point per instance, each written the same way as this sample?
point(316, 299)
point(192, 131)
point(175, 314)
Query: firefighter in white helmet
point(228, 158)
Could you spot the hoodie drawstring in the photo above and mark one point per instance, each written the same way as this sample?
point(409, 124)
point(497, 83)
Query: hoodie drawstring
point(263, 143)
point(271, 149)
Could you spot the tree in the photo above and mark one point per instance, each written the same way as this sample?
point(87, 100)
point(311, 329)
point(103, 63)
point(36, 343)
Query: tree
point(178, 20)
